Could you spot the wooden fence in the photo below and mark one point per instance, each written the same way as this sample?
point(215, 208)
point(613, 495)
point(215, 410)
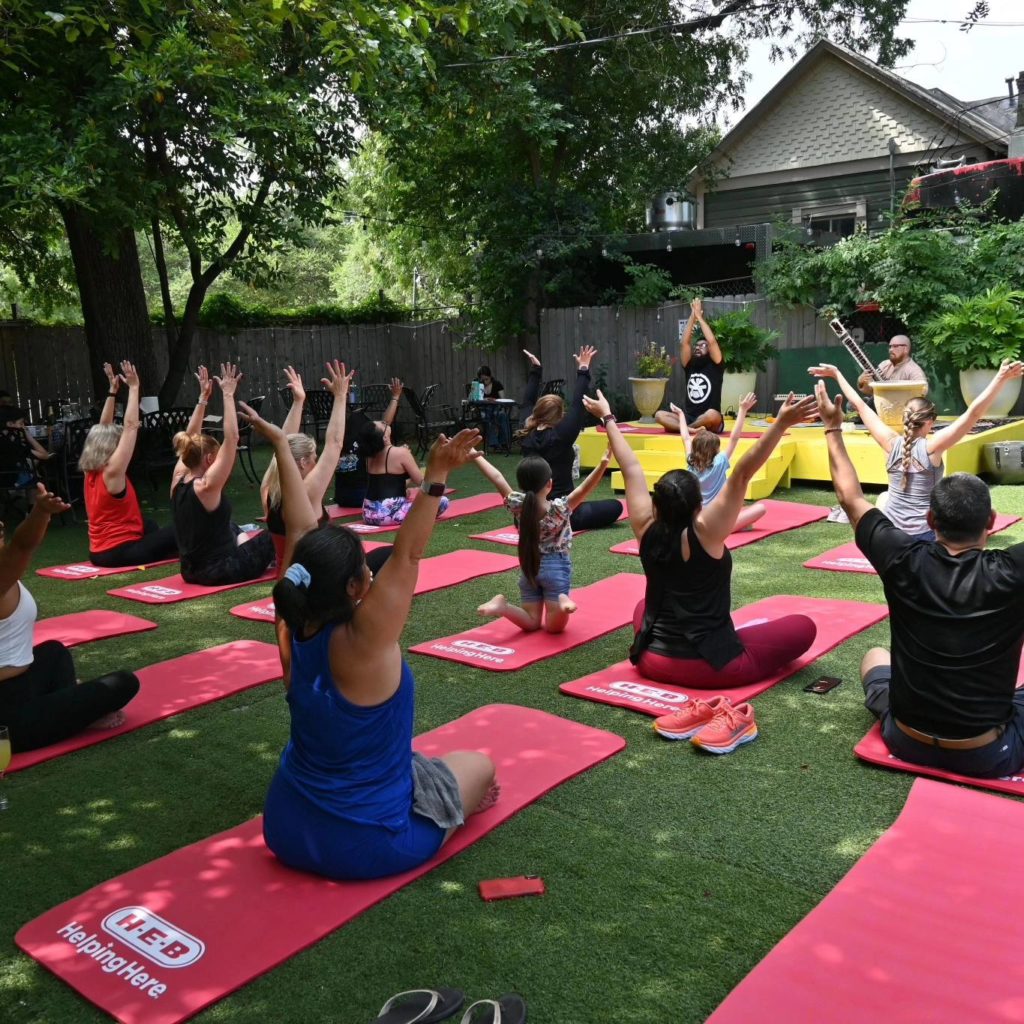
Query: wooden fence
point(41, 363)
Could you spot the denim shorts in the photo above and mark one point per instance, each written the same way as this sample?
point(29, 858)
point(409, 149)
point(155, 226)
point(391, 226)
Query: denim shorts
point(553, 578)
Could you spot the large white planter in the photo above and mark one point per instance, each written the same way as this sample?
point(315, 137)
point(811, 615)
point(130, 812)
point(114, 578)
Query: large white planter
point(735, 385)
point(648, 394)
point(973, 382)
point(891, 399)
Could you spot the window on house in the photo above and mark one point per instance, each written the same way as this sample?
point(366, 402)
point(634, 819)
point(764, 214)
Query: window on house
point(842, 225)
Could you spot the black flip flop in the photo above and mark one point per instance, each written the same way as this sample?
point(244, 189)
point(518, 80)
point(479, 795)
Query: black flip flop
point(509, 1009)
point(421, 1006)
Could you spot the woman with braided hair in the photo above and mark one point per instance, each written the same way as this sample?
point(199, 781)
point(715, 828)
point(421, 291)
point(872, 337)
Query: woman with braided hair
point(914, 457)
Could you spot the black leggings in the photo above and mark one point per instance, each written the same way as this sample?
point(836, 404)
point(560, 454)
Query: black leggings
point(44, 705)
point(596, 515)
point(376, 558)
point(156, 544)
point(246, 562)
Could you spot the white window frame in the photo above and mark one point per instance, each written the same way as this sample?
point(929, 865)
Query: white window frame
point(859, 209)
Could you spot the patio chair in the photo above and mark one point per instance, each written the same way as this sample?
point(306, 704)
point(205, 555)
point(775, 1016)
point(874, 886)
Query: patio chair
point(71, 480)
point(555, 386)
point(431, 419)
point(154, 453)
point(17, 475)
point(245, 441)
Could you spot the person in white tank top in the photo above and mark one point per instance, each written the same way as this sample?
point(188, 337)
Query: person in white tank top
point(41, 701)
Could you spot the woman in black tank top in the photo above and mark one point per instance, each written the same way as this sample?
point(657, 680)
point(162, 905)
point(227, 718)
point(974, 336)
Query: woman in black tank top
point(213, 552)
point(684, 629)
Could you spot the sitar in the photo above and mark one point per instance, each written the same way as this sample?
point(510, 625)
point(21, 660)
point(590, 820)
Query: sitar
point(851, 346)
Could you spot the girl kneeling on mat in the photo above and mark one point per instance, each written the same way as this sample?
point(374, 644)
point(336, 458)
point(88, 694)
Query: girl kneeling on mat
point(706, 460)
point(349, 799)
point(545, 540)
point(41, 701)
point(684, 630)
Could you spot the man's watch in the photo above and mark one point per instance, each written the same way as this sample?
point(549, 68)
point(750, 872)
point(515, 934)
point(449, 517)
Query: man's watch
point(434, 490)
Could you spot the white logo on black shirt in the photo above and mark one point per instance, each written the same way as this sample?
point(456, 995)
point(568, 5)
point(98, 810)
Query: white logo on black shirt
point(698, 388)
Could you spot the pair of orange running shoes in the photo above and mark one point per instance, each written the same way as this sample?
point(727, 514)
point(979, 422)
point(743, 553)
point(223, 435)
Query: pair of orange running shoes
point(717, 725)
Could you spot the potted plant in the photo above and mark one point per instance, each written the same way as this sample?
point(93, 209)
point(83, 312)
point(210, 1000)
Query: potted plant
point(976, 334)
point(653, 368)
point(746, 349)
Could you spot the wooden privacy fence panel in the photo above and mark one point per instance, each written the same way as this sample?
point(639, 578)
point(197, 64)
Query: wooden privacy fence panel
point(41, 363)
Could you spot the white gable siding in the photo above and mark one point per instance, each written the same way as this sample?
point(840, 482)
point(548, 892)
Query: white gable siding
point(835, 114)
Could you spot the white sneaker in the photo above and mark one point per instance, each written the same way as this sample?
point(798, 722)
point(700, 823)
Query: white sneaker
point(836, 514)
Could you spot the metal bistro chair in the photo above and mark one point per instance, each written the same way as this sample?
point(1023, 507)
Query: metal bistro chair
point(17, 474)
point(374, 399)
point(555, 386)
point(245, 441)
point(431, 420)
point(317, 411)
point(155, 450)
point(72, 479)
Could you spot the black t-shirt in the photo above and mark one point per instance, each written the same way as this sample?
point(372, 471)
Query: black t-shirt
point(957, 625)
point(703, 386)
point(494, 389)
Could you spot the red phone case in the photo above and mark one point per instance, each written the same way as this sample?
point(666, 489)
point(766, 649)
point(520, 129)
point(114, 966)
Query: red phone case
point(506, 888)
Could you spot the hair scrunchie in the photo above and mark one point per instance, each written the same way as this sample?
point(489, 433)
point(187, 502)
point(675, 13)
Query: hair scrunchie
point(298, 574)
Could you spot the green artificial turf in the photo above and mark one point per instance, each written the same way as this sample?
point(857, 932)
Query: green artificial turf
point(669, 873)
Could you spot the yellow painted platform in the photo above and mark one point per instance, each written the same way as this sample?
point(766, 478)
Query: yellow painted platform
point(801, 455)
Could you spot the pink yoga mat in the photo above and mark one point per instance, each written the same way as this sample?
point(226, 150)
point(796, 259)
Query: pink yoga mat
point(622, 686)
point(435, 573)
point(921, 930)
point(457, 508)
point(500, 646)
point(174, 588)
point(510, 534)
point(171, 687)
point(342, 511)
point(85, 627)
point(848, 557)
point(779, 517)
point(88, 571)
point(206, 919)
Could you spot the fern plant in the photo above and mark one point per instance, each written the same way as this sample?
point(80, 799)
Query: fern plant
point(980, 331)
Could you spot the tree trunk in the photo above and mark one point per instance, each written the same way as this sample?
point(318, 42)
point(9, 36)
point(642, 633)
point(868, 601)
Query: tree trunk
point(113, 300)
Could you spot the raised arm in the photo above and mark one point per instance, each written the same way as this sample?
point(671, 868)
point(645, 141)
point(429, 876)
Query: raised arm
point(392, 407)
point(110, 402)
point(641, 513)
point(570, 425)
point(381, 615)
point(216, 477)
point(293, 421)
point(493, 474)
point(747, 402)
point(709, 335)
point(938, 443)
point(684, 430)
point(319, 478)
point(532, 381)
point(16, 554)
point(195, 423)
point(844, 476)
point(115, 471)
point(686, 338)
point(881, 432)
point(717, 523)
point(593, 478)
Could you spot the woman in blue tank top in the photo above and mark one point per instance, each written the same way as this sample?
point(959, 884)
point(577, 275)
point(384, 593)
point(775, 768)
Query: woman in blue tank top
point(344, 801)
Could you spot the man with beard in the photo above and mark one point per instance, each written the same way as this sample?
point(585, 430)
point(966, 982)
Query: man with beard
point(703, 369)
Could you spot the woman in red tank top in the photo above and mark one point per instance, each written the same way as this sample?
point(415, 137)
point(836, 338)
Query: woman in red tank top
point(118, 533)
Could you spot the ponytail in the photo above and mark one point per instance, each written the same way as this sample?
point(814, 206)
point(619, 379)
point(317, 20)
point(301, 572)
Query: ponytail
point(533, 475)
point(676, 499)
point(193, 448)
point(916, 413)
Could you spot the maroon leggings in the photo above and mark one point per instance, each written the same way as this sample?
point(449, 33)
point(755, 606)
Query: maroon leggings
point(766, 647)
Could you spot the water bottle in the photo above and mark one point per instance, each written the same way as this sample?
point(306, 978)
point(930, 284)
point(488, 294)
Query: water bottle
point(353, 393)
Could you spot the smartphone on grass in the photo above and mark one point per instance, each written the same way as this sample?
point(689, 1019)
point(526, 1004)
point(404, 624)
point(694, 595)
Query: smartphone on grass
point(823, 684)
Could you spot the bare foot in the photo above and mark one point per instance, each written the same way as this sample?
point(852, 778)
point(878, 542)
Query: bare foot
point(490, 798)
point(496, 606)
point(566, 604)
point(111, 721)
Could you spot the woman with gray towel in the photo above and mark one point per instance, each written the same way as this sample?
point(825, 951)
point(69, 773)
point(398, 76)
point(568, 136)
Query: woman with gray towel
point(348, 800)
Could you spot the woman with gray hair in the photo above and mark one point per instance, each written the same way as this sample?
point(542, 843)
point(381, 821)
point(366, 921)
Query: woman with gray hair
point(118, 534)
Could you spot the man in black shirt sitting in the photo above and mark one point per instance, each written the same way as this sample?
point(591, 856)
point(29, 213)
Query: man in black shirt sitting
point(946, 694)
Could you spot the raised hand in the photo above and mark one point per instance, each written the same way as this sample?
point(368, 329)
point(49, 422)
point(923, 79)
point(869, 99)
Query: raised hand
point(825, 370)
point(1010, 369)
point(229, 379)
point(793, 411)
point(396, 387)
point(831, 413)
point(295, 384)
point(748, 401)
point(448, 453)
point(587, 353)
point(205, 383)
point(130, 375)
point(262, 427)
point(697, 305)
point(534, 361)
point(337, 380)
point(598, 407)
point(48, 503)
point(113, 380)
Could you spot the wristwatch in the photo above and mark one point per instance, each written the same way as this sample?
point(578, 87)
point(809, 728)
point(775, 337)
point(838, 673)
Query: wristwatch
point(434, 490)
point(605, 419)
